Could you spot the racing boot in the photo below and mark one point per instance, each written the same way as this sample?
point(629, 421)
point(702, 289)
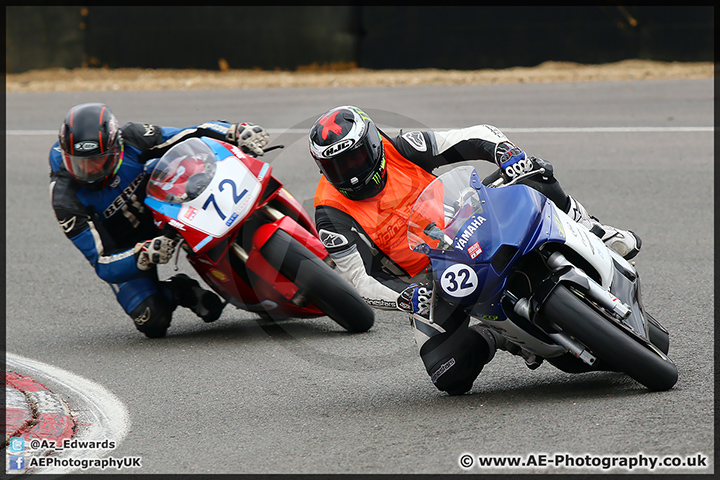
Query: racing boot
point(624, 242)
point(532, 361)
point(187, 293)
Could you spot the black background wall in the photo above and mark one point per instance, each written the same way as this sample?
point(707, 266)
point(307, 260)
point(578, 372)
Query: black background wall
point(375, 37)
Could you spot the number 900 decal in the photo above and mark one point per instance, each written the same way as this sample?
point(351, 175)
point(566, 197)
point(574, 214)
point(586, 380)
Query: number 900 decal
point(459, 280)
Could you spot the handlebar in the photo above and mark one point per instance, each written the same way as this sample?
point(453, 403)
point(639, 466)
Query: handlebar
point(500, 182)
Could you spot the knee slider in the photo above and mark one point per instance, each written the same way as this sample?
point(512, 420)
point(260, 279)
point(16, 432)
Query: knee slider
point(152, 316)
point(454, 361)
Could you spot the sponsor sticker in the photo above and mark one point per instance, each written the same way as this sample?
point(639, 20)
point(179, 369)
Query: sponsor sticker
point(474, 250)
point(338, 147)
point(219, 275)
point(191, 212)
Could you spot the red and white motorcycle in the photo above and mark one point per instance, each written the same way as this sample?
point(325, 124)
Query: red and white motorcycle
point(247, 237)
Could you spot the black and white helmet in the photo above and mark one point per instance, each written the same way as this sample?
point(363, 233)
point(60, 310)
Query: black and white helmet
point(347, 147)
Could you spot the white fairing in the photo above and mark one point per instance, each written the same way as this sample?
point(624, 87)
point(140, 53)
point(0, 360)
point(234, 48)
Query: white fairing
point(227, 200)
point(589, 245)
point(591, 248)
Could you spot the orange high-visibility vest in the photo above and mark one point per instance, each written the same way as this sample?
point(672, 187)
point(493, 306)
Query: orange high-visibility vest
point(384, 217)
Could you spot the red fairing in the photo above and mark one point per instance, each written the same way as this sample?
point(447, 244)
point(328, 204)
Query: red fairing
point(289, 225)
point(245, 279)
point(292, 204)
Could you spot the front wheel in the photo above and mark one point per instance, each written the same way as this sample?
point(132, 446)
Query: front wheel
point(606, 340)
point(325, 289)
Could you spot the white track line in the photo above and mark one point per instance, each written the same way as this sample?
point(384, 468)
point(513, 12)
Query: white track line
point(106, 415)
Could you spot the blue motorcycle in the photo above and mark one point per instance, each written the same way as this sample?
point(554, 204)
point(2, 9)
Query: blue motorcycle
point(518, 264)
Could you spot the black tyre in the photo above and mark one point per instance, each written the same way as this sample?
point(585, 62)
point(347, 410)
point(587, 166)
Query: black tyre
point(657, 334)
point(608, 341)
point(324, 288)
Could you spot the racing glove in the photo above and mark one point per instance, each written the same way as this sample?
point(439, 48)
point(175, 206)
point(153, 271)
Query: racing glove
point(415, 299)
point(251, 138)
point(514, 163)
point(155, 251)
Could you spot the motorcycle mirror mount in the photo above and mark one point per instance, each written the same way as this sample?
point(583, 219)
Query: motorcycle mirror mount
point(475, 180)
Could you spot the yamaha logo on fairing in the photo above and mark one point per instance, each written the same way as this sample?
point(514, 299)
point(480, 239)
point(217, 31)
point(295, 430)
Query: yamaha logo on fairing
point(338, 147)
point(467, 234)
point(86, 146)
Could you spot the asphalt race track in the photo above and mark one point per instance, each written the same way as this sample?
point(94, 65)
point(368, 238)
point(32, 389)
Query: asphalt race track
point(244, 395)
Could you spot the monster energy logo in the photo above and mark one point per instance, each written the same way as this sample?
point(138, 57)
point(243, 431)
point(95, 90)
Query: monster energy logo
point(362, 114)
point(377, 176)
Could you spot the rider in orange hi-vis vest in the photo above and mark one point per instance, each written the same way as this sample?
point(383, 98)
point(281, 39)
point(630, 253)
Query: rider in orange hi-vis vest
point(363, 201)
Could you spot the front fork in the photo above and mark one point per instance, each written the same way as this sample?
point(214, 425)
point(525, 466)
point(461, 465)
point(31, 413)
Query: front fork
point(602, 297)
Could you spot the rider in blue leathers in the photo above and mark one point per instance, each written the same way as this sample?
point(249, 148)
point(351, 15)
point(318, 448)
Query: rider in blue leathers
point(97, 185)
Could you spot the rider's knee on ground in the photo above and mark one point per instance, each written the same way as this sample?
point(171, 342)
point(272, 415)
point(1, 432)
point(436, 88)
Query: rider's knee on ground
point(152, 317)
point(454, 360)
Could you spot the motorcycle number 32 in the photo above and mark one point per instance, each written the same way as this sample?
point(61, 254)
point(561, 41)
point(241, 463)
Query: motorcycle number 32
point(459, 280)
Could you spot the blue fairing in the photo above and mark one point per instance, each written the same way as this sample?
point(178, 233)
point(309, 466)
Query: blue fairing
point(221, 152)
point(514, 221)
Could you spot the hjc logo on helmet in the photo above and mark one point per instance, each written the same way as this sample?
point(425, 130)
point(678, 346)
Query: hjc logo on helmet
point(338, 147)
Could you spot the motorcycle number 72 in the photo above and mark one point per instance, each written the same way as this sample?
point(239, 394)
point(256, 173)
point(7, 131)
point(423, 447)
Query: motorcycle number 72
point(236, 198)
point(459, 280)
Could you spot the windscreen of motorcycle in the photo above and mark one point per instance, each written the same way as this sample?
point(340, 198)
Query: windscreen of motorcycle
point(442, 209)
point(204, 185)
point(183, 173)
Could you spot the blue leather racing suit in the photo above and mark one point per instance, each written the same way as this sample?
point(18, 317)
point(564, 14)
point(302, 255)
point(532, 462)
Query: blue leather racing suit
point(105, 225)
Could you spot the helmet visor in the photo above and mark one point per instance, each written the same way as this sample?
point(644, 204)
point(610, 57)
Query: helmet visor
point(93, 168)
point(352, 169)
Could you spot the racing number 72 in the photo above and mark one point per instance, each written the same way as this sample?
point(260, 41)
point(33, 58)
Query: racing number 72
point(236, 197)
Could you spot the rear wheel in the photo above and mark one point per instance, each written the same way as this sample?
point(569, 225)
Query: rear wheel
point(608, 341)
point(324, 288)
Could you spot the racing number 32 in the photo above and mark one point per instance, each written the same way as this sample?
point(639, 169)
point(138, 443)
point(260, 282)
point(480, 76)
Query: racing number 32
point(459, 280)
point(236, 197)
